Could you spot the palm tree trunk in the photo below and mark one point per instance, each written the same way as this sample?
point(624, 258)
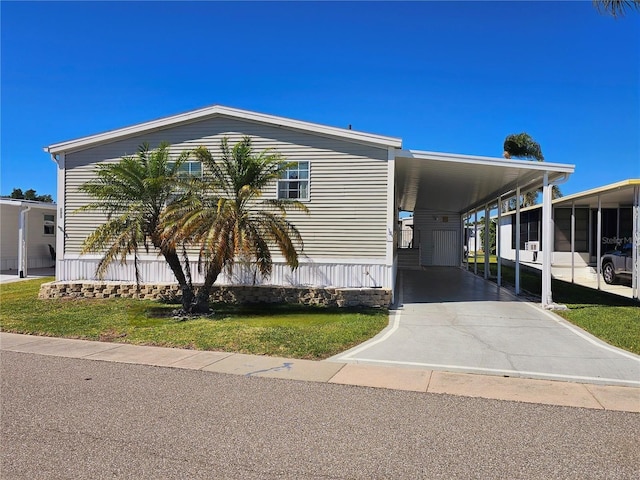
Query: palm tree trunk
point(201, 302)
point(173, 260)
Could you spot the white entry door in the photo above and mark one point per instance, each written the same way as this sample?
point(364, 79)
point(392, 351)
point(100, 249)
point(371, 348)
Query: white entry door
point(445, 248)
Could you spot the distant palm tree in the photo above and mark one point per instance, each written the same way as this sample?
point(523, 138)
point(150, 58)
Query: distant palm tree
point(521, 145)
point(133, 192)
point(225, 217)
point(616, 8)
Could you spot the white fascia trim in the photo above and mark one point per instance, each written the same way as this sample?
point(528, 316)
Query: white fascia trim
point(28, 203)
point(487, 161)
point(631, 182)
point(218, 110)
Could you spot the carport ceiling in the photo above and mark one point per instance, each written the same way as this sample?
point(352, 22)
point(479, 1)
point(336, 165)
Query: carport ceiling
point(459, 183)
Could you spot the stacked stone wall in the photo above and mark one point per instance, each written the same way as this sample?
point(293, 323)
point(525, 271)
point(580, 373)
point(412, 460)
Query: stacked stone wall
point(238, 294)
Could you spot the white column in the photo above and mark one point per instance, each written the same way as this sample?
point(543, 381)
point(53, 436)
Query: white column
point(392, 218)
point(475, 242)
point(499, 241)
point(486, 242)
point(573, 239)
point(547, 245)
point(518, 240)
point(60, 220)
point(599, 240)
point(461, 239)
point(635, 247)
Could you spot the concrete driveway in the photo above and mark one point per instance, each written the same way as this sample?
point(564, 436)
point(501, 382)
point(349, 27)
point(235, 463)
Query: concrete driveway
point(10, 276)
point(452, 320)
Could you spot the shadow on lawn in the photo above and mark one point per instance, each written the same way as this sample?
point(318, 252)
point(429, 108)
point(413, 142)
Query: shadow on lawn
point(226, 310)
point(563, 292)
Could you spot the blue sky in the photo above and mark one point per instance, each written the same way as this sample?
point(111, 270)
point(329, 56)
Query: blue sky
point(444, 76)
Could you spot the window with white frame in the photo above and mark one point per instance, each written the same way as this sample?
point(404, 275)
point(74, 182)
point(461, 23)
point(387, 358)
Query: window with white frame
point(188, 169)
point(294, 182)
point(49, 224)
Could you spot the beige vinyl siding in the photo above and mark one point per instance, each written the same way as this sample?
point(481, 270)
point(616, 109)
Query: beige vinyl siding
point(9, 236)
point(428, 226)
point(348, 183)
point(37, 242)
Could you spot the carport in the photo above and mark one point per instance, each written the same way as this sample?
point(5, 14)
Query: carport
point(625, 194)
point(446, 190)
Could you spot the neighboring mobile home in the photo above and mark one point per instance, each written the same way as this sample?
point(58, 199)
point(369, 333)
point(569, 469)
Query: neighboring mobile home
point(586, 225)
point(28, 235)
point(353, 183)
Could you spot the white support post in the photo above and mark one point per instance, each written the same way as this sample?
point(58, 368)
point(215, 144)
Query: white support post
point(461, 239)
point(475, 242)
point(599, 240)
point(547, 245)
point(487, 266)
point(518, 240)
point(499, 241)
point(466, 237)
point(392, 220)
point(635, 246)
point(61, 219)
point(573, 239)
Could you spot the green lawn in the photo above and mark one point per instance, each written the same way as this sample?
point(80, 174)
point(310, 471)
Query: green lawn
point(283, 330)
point(612, 318)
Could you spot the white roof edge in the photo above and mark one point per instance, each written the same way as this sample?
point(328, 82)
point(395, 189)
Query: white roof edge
point(630, 182)
point(219, 110)
point(490, 161)
point(585, 193)
point(34, 203)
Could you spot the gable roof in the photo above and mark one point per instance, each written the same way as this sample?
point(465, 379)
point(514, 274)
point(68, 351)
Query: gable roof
point(227, 112)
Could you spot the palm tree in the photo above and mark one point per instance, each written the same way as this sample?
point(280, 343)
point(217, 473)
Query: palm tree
point(133, 192)
point(226, 218)
point(616, 8)
point(521, 145)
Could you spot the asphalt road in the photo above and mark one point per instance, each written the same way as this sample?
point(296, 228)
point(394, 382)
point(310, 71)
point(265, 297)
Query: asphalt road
point(76, 419)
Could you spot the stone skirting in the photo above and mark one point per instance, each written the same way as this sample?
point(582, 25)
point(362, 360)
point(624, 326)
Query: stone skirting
point(240, 294)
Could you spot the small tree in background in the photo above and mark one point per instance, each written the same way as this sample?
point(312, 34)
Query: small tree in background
point(522, 145)
point(492, 237)
point(30, 194)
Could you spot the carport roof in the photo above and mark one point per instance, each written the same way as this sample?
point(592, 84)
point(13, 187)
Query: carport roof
point(620, 193)
point(459, 183)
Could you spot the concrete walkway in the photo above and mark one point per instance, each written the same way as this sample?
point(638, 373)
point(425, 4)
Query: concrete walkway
point(413, 379)
point(452, 320)
point(10, 276)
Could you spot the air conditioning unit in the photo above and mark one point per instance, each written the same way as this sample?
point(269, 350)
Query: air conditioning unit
point(532, 246)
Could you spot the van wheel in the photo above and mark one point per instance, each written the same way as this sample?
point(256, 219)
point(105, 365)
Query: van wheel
point(608, 273)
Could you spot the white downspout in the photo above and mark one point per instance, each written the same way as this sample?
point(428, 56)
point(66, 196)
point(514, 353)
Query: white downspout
point(22, 241)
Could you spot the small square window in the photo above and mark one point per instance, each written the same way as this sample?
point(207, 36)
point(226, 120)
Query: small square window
point(294, 182)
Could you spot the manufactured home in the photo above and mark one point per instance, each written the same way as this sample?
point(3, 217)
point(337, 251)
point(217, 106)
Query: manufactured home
point(585, 226)
point(353, 183)
point(28, 235)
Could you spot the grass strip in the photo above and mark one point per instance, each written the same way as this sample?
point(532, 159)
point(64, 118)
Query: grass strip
point(279, 330)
